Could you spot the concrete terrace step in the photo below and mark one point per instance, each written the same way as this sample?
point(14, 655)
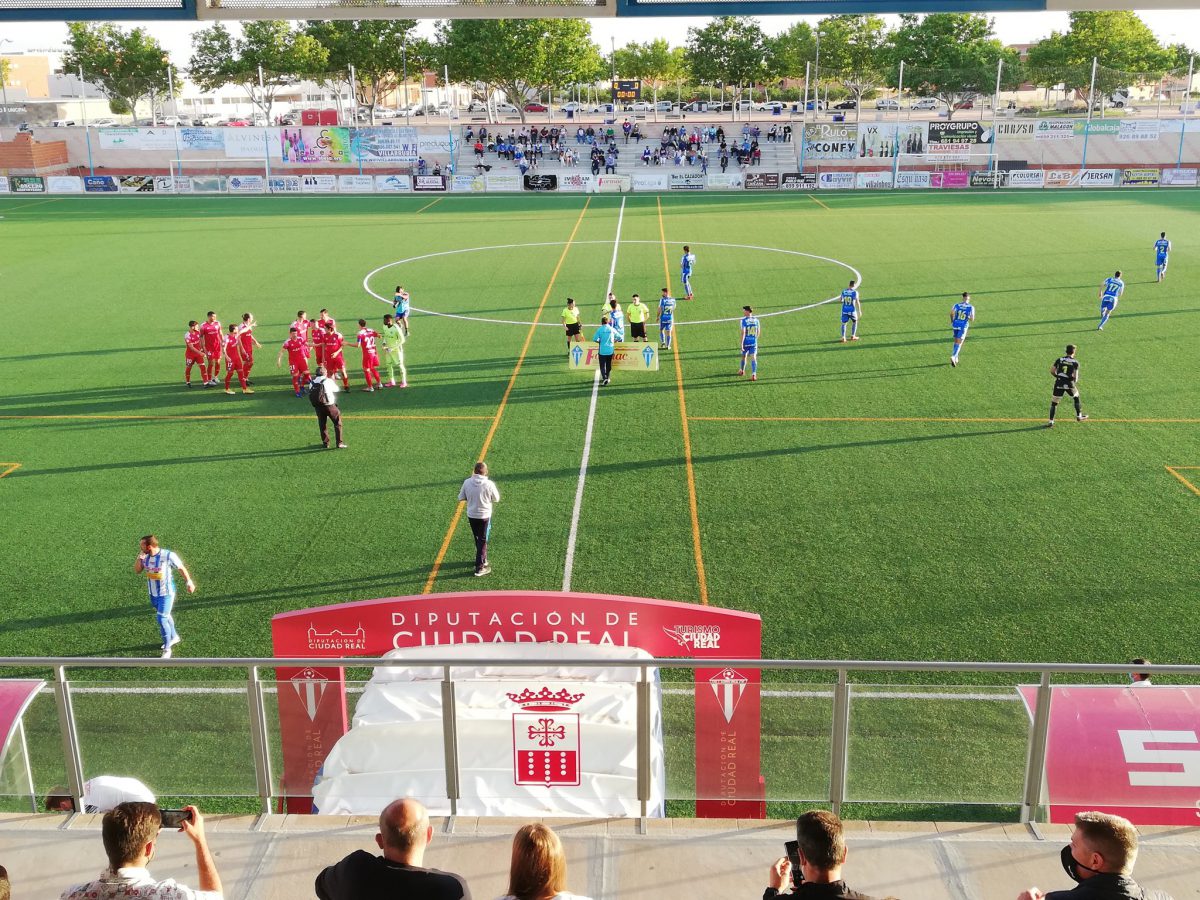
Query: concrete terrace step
point(277, 857)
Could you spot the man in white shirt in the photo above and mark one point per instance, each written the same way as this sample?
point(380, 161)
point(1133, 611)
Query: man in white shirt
point(323, 396)
point(130, 838)
point(480, 492)
point(102, 793)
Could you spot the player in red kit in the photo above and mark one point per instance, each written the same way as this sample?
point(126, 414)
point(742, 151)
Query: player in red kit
point(235, 361)
point(249, 342)
point(303, 325)
point(318, 335)
point(335, 362)
point(192, 354)
point(210, 330)
point(297, 351)
point(370, 358)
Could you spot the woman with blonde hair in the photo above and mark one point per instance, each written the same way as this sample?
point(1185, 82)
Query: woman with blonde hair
point(539, 866)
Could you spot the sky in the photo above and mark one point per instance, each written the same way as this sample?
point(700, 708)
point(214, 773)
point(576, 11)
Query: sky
point(1171, 26)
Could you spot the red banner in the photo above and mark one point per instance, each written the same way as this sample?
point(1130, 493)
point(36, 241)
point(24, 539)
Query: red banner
point(15, 697)
point(313, 714)
point(1131, 751)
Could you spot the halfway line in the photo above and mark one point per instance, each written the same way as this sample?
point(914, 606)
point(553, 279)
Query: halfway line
point(487, 441)
point(223, 417)
point(687, 438)
point(573, 534)
point(966, 419)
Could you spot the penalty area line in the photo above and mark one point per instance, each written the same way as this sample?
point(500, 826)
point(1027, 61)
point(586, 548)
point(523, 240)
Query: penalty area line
point(931, 419)
point(8, 468)
point(1174, 470)
point(818, 202)
point(223, 417)
point(573, 534)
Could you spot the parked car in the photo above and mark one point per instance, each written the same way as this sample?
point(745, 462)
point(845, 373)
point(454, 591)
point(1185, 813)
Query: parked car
point(413, 109)
point(887, 103)
point(62, 123)
point(772, 106)
point(237, 123)
point(639, 106)
point(104, 123)
point(534, 106)
point(846, 104)
point(815, 105)
point(965, 104)
point(664, 106)
point(573, 107)
point(507, 109)
point(926, 103)
point(288, 120)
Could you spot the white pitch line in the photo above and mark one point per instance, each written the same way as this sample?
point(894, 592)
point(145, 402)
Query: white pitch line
point(573, 534)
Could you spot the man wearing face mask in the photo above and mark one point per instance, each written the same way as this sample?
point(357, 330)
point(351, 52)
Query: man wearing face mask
point(1100, 857)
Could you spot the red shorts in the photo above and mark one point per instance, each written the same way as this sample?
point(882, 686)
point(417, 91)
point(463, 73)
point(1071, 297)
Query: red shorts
point(320, 352)
point(212, 352)
point(299, 370)
point(193, 356)
point(238, 366)
point(371, 362)
point(335, 363)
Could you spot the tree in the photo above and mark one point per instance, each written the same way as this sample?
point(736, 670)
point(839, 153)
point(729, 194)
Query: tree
point(521, 57)
point(1125, 49)
point(127, 66)
point(379, 50)
point(951, 56)
point(789, 52)
point(284, 54)
point(656, 63)
point(728, 50)
point(855, 47)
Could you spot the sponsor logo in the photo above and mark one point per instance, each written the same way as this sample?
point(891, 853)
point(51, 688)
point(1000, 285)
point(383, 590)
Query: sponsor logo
point(649, 181)
point(728, 685)
point(762, 181)
point(958, 133)
point(686, 181)
point(337, 640)
point(310, 688)
point(1138, 131)
point(695, 637)
point(642, 357)
point(1098, 126)
point(359, 184)
point(27, 184)
point(136, 184)
point(503, 182)
point(912, 179)
point(831, 141)
point(1180, 177)
point(386, 184)
point(1095, 178)
point(873, 180)
point(318, 184)
point(1056, 178)
point(102, 184)
point(835, 181)
point(1054, 130)
point(545, 738)
point(284, 184)
point(1144, 177)
point(1015, 129)
point(1026, 178)
point(541, 182)
point(798, 181)
point(989, 179)
point(245, 184)
point(430, 182)
point(573, 181)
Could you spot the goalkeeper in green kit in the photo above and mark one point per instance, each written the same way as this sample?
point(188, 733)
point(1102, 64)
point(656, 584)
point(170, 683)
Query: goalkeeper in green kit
point(393, 351)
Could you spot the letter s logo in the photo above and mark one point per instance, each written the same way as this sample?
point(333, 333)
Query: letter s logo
point(1134, 744)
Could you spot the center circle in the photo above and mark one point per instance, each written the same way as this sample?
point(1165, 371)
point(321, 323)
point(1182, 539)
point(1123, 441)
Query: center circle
point(445, 315)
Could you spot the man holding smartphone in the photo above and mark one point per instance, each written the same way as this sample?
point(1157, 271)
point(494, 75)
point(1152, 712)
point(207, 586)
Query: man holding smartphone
point(815, 867)
point(130, 834)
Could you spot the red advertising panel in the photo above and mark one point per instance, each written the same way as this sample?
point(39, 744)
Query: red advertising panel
point(15, 697)
point(313, 715)
point(1131, 751)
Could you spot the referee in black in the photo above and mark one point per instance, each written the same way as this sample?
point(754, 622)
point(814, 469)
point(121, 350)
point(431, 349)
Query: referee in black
point(1066, 381)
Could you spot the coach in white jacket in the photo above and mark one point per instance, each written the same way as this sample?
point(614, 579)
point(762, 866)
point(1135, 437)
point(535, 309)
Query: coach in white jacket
point(480, 493)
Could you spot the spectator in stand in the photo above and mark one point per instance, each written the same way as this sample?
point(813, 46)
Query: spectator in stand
point(627, 128)
point(404, 833)
point(579, 135)
point(130, 835)
point(1140, 678)
point(610, 163)
point(595, 164)
point(755, 154)
point(772, 133)
point(1100, 858)
point(538, 870)
point(646, 155)
point(787, 134)
point(100, 794)
point(822, 854)
point(724, 161)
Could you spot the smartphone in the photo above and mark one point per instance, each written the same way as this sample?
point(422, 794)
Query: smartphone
point(793, 855)
point(174, 818)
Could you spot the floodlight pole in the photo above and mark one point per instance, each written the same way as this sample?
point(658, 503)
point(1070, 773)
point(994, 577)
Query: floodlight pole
point(404, 65)
point(993, 162)
point(1087, 129)
point(4, 83)
point(262, 87)
point(449, 126)
point(1187, 107)
point(804, 106)
point(87, 132)
point(899, 150)
point(175, 109)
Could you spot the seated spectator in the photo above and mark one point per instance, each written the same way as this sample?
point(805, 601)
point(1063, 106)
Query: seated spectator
point(404, 833)
point(130, 835)
point(1100, 857)
point(539, 867)
point(579, 135)
point(822, 853)
point(1140, 678)
point(100, 794)
point(646, 155)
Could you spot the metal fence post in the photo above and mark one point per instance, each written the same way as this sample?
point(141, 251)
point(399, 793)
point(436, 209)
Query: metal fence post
point(839, 742)
point(1035, 759)
point(70, 736)
point(450, 744)
point(259, 741)
point(643, 748)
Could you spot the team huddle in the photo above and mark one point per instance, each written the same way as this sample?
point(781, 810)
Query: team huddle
point(211, 345)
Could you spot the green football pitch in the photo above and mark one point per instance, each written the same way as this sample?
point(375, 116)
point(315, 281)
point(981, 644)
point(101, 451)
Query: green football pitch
point(868, 500)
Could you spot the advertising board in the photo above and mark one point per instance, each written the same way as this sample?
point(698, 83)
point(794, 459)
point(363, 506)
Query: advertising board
point(1010, 131)
point(1143, 177)
point(1179, 177)
point(1138, 130)
point(986, 178)
point(386, 144)
point(686, 181)
point(468, 184)
point(609, 184)
point(202, 138)
point(573, 181)
point(949, 179)
point(1054, 130)
point(762, 181)
point(284, 184)
point(1094, 178)
point(356, 184)
point(874, 181)
point(541, 182)
point(1059, 178)
point(100, 184)
point(440, 143)
point(1096, 126)
point(887, 140)
point(1027, 178)
point(64, 184)
point(245, 184)
point(318, 184)
point(649, 181)
point(438, 182)
point(827, 140)
point(836, 181)
point(725, 181)
point(3, 184)
point(497, 182)
point(136, 184)
point(393, 184)
point(919, 179)
point(27, 184)
point(798, 181)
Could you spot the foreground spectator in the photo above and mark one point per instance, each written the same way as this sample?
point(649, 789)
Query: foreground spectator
point(130, 834)
point(404, 833)
point(1100, 857)
point(822, 854)
point(100, 794)
point(1140, 678)
point(480, 493)
point(5, 887)
point(539, 867)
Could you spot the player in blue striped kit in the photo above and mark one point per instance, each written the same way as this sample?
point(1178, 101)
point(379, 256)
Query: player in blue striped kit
point(1110, 295)
point(961, 317)
point(1162, 247)
point(750, 333)
point(685, 271)
point(851, 311)
point(158, 566)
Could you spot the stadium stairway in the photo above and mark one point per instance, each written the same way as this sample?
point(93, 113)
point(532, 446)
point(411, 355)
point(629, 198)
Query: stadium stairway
point(277, 857)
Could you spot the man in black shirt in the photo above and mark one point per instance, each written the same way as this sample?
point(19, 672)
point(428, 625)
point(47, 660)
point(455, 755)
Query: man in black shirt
point(822, 853)
point(404, 833)
point(1066, 381)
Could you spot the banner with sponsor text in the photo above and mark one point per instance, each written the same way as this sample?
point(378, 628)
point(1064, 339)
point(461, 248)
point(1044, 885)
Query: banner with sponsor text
point(1027, 178)
point(762, 181)
point(912, 179)
point(830, 140)
point(887, 140)
point(284, 184)
point(64, 184)
point(100, 184)
point(393, 184)
point(726, 181)
point(27, 184)
point(1143, 177)
point(1094, 178)
point(245, 184)
point(873, 181)
point(1180, 177)
point(3, 184)
point(438, 182)
point(836, 181)
point(356, 184)
point(798, 181)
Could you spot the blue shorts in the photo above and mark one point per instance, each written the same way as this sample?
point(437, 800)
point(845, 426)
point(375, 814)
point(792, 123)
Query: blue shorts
point(849, 317)
point(163, 605)
point(666, 325)
point(748, 347)
point(401, 313)
point(960, 333)
point(1109, 303)
point(685, 277)
point(1161, 261)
